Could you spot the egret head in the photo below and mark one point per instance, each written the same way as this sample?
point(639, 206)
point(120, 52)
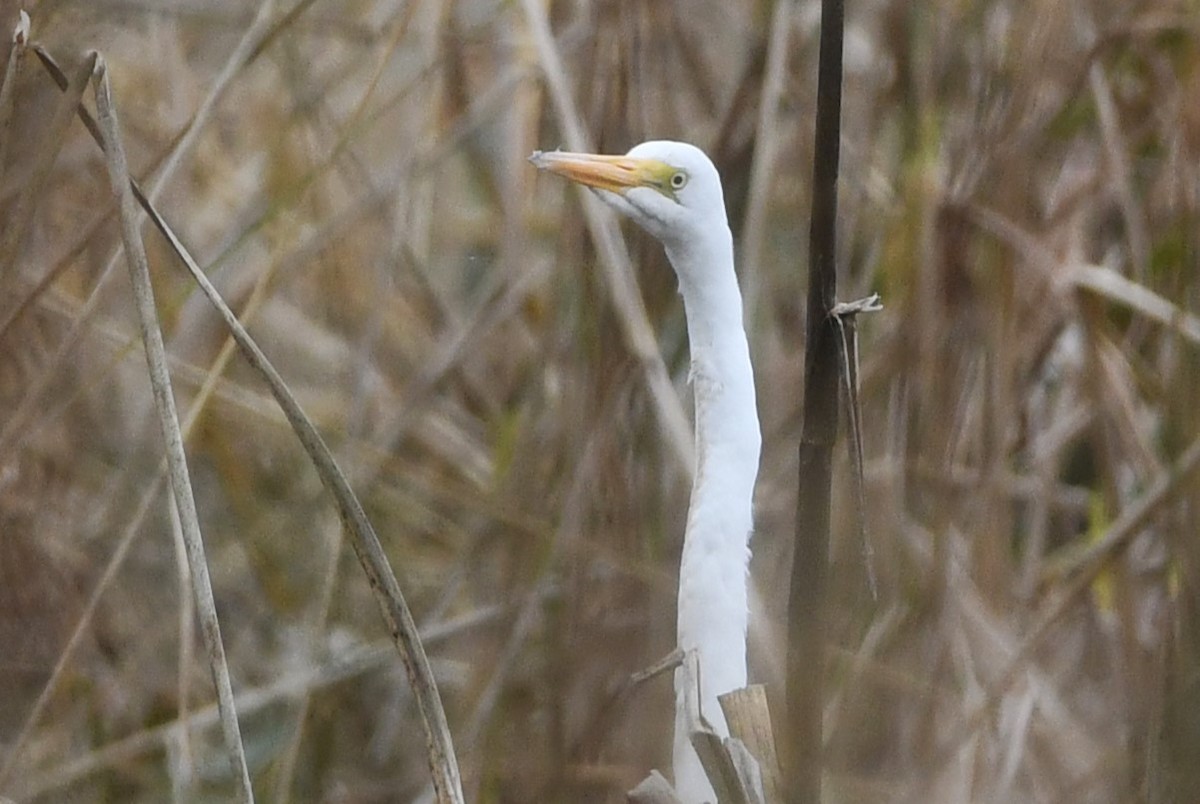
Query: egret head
point(671, 189)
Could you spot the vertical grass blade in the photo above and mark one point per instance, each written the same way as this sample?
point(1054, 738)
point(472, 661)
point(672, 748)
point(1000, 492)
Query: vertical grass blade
point(160, 380)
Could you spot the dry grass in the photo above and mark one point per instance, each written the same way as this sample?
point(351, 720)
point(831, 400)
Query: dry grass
point(1021, 183)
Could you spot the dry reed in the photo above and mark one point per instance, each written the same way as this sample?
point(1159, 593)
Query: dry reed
point(1021, 182)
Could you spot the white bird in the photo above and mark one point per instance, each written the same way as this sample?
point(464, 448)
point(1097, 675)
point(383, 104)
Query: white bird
point(673, 191)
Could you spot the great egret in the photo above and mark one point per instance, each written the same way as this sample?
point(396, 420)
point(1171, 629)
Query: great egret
point(672, 190)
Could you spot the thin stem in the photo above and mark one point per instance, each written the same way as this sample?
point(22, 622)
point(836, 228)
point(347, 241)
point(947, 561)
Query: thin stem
point(806, 616)
point(160, 380)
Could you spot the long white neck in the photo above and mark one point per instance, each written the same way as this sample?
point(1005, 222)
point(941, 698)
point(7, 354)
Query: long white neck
point(713, 610)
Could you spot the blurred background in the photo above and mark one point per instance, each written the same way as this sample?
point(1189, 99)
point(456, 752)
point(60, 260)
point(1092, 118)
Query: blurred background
point(1020, 182)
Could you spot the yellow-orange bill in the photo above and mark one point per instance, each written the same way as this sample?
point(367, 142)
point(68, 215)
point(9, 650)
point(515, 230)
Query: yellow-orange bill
point(615, 173)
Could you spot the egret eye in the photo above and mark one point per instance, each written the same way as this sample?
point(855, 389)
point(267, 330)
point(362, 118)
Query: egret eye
point(646, 185)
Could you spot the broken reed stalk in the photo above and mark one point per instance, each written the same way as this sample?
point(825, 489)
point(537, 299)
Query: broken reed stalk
point(735, 773)
point(19, 223)
point(806, 616)
point(160, 380)
point(654, 789)
point(749, 720)
point(12, 70)
point(742, 767)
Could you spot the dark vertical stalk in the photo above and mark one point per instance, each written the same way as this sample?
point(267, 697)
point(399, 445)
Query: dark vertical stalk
point(806, 615)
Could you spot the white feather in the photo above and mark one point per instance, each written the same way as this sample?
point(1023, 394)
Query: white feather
point(713, 610)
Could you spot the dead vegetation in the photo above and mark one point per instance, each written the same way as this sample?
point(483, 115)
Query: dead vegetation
point(1021, 183)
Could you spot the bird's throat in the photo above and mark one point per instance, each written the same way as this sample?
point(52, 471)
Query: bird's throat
point(713, 600)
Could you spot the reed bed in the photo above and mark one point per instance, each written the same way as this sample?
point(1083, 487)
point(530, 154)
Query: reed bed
point(1020, 183)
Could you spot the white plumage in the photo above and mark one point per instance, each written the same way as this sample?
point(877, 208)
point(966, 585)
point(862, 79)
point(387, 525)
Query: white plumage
point(673, 191)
